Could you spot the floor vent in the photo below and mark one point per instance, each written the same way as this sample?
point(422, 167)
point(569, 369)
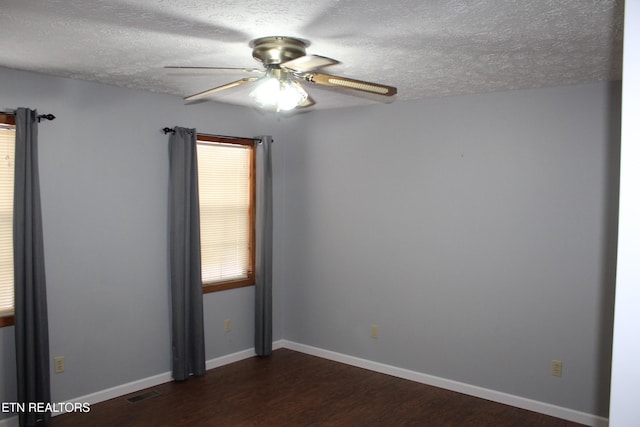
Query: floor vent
point(143, 396)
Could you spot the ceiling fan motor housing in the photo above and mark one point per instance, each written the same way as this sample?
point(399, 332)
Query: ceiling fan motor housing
point(276, 50)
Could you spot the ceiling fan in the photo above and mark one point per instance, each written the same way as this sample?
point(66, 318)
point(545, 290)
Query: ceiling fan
point(286, 64)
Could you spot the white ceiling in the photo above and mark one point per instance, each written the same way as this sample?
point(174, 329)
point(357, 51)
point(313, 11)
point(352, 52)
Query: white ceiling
point(425, 48)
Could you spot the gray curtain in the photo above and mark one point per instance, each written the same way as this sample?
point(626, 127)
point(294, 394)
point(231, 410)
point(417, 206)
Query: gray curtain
point(264, 239)
point(30, 316)
point(187, 339)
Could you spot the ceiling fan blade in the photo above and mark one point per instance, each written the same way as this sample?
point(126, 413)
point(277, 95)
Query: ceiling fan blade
point(204, 69)
point(335, 81)
point(307, 103)
point(208, 92)
point(308, 63)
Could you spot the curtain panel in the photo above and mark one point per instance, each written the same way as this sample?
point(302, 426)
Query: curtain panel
point(264, 248)
point(187, 339)
point(30, 314)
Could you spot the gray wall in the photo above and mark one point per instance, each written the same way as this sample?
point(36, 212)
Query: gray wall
point(103, 168)
point(477, 232)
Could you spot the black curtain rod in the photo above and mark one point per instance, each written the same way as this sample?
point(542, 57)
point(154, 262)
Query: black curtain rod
point(169, 130)
point(40, 116)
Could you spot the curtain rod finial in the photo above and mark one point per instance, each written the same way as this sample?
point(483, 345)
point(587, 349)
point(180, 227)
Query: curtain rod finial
point(168, 130)
point(46, 117)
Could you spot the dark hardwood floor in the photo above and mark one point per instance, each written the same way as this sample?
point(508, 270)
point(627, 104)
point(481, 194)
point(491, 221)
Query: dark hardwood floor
point(295, 389)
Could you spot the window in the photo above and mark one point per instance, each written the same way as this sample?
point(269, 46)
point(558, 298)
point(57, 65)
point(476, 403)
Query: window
point(7, 151)
point(226, 184)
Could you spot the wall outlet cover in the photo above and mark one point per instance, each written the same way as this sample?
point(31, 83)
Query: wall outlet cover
point(58, 364)
point(374, 331)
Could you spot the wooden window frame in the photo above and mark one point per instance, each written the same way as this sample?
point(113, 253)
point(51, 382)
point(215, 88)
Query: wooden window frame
point(6, 321)
point(8, 119)
point(250, 280)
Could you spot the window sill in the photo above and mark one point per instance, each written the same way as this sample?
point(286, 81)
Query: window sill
point(223, 286)
point(6, 321)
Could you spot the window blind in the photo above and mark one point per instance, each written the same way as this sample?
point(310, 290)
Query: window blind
point(225, 211)
point(7, 150)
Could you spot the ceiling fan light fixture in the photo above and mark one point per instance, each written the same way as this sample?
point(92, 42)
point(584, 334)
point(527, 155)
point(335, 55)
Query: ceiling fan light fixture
point(280, 93)
point(286, 63)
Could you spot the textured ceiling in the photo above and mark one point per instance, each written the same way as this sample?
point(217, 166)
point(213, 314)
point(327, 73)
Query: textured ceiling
point(425, 48)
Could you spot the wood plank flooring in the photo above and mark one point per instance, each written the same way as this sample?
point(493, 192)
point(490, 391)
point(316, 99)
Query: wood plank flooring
point(295, 389)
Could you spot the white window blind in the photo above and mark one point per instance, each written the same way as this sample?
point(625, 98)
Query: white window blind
point(224, 178)
point(7, 150)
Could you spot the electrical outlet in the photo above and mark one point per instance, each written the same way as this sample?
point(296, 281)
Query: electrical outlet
point(227, 325)
point(58, 364)
point(374, 331)
point(556, 368)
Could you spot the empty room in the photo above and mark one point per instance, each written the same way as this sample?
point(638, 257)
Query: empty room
point(338, 213)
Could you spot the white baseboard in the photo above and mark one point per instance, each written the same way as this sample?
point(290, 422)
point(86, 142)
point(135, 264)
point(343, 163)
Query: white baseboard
point(484, 393)
point(229, 358)
point(155, 380)
point(132, 387)
point(495, 396)
point(279, 344)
